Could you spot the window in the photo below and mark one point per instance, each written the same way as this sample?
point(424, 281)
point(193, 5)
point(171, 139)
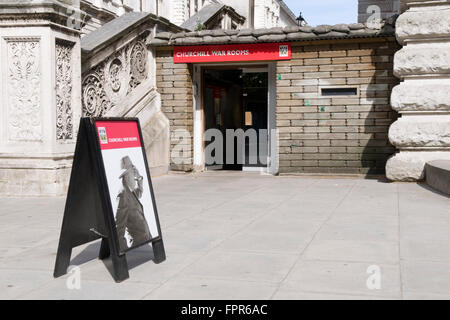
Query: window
point(339, 91)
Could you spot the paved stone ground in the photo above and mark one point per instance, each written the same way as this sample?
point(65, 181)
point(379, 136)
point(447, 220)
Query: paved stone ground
point(249, 236)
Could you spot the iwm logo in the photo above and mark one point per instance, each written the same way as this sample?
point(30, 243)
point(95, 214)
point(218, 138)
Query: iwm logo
point(284, 51)
point(102, 135)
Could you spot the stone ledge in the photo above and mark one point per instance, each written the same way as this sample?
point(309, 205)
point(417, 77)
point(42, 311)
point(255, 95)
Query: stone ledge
point(427, 131)
point(51, 10)
point(410, 166)
point(423, 25)
point(422, 60)
point(421, 95)
point(437, 175)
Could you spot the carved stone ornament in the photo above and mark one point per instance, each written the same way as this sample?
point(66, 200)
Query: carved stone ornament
point(64, 112)
point(111, 81)
point(23, 83)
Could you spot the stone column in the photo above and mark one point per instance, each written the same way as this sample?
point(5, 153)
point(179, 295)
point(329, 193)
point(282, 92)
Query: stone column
point(422, 133)
point(40, 85)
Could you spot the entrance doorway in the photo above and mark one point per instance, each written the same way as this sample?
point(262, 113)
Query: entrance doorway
point(235, 103)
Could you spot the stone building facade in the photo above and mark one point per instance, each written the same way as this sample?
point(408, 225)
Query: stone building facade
point(57, 68)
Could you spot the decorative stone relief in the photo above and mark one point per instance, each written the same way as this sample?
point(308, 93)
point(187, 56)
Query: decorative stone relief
point(64, 112)
point(23, 83)
point(111, 81)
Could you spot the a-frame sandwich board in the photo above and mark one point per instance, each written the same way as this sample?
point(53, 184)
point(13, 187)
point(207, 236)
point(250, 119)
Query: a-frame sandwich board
point(88, 214)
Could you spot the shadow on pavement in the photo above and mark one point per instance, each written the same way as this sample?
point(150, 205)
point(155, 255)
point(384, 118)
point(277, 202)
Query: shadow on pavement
point(135, 257)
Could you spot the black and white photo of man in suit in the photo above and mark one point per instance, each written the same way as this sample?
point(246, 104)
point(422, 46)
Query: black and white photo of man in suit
point(130, 212)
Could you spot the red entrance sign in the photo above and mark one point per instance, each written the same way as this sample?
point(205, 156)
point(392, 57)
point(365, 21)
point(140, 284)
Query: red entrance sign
point(232, 52)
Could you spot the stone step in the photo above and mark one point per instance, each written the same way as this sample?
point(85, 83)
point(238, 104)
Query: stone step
point(437, 175)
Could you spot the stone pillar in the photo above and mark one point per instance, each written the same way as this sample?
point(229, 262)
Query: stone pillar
point(422, 133)
point(40, 85)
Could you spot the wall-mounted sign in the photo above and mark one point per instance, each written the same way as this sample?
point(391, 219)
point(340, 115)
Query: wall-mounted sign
point(232, 52)
point(110, 195)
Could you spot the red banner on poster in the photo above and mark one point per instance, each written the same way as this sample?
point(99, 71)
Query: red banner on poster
point(118, 134)
point(232, 52)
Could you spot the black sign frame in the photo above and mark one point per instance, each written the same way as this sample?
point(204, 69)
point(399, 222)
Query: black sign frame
point(88, 214)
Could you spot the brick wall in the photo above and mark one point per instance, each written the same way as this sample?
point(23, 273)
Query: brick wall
point(335, 134)
point(174, 82)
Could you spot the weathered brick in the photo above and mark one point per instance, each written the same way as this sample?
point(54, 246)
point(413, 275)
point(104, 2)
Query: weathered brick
point(317, 61)
point(305, 55)
point(322, 115)
point(362, 52)
point(331, 122)
point(332, 54)
point(345, 60)
point(305, 163)
point(345, 74)
point(344, 129)
point(317, 129)
point(305, 123)
point(283, 123)
point(290, 76)
point(290, 116)
point(333, 67)
point(317, 143)
point(332, 82)
point(332, 149)
point(332, 136)
point(331, 163)
point(305, 149)
point(345, 101)
point(317, 156)
point(305, 69)
point(344, 143)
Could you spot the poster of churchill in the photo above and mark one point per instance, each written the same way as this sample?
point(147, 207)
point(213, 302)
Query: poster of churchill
point(128, 183)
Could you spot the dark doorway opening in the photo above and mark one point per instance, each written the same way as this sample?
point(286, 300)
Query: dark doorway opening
point(237, 99)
